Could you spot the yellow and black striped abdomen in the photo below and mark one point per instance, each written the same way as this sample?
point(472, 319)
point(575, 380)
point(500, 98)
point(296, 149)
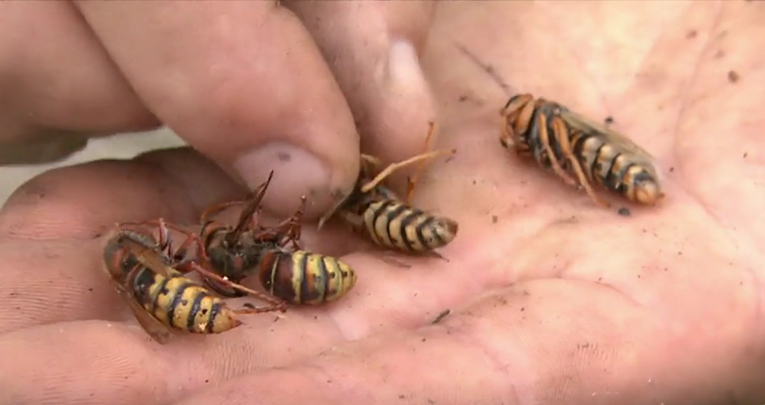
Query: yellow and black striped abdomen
point(618, 168)
point(587, 149)
point(181, 304)
point(398, 226)
point(305, 278)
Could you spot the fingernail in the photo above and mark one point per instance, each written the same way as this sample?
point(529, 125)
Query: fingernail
point(404, 68)
point(297, 173)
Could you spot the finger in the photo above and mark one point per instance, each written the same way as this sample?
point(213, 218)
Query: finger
point(37, 148)
point(78, 361)
point(527, 344)
point(62, 81)
point(80, 201)
point(53, 281)
point(374, 48)
point(243, 83)
point(99, 362)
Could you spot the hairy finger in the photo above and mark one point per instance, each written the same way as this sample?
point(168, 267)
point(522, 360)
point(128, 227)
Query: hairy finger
point(373, 48)
point(230, 78)
point(81, 201)
point(61, 81)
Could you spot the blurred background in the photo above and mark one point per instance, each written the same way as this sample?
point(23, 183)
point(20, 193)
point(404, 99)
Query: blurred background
point(121, 146)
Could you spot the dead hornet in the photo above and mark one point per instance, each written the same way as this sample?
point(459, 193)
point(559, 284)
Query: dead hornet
point(163, 300)
point(372, 209)
point(579, 151)
point(292, 274)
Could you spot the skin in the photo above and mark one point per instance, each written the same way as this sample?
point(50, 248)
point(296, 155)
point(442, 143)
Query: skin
point(554, 300)
point(228, 77)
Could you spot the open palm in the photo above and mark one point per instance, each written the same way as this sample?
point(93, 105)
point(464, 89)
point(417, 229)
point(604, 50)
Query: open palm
point(553, 299)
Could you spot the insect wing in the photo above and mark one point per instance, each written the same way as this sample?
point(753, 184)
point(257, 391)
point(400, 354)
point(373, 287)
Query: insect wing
point(585, 125)
point(156, 329)
point(150, 258)
point(382, 192)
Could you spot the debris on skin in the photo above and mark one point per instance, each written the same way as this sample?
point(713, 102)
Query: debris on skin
point(464, 98)
point(733, 76)
point(624, 211)
point(488, 69)
point(441, 316)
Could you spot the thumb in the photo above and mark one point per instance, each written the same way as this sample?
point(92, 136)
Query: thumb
point(243, 83)
point(373, 48)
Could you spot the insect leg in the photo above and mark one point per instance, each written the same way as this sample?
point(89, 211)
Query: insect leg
point(370, 160)
point(161, 223)
point(517, 104)
point(516, 114)
point(164, 236)
point(255, 219)
point(565, 145)
point(202, 259)
point(164, 243)
point(288, 230)
point(209, 274)
point(507, 139)
point(216, 209)
point(410, 182)
point(182, 253)
point(561, 132)
point(184, 263)
point(344, 202)
point(295, 226)
point(201, 247)
point(252, 309)
point(395, 166)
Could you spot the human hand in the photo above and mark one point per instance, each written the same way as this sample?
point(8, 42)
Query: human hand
point(554, 299)
point(241, 81)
